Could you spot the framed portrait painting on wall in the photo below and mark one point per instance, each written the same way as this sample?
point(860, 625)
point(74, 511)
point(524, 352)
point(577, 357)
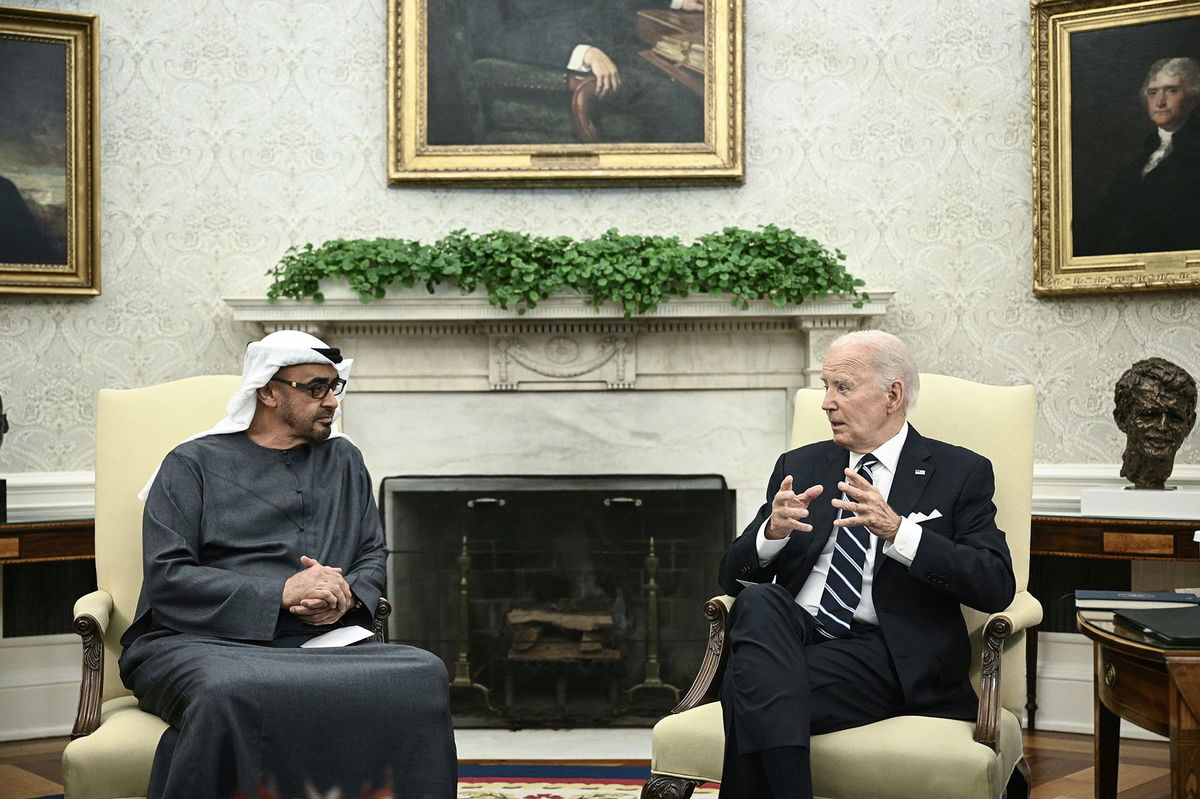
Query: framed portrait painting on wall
point(1116, 145)
point(49, 227)
point(546, 92)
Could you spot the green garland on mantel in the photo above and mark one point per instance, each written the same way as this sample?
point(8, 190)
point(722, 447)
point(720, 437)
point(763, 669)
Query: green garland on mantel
point(636, 272)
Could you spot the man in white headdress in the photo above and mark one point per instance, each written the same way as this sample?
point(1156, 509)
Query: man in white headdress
point(259, 536)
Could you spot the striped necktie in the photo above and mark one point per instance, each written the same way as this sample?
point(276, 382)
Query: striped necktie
point(843, 584)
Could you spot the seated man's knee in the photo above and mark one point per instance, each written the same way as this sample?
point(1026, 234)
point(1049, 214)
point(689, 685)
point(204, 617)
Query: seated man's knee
point(433, 667)
point(757, 596)
point(427, 674)
point(762, 605)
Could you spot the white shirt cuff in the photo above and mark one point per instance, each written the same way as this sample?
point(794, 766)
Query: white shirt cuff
point(576, 62)
point(768, 548)
point(676, 5)
point(904, 546)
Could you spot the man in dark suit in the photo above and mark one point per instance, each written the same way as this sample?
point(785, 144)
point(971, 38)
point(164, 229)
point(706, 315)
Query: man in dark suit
point(591, 37)
point(1153, 203)
point(849, 579)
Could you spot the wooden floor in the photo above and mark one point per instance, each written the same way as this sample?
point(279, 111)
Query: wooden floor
point(1061, 765)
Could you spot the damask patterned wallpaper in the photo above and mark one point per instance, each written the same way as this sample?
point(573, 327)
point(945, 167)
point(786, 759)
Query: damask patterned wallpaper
point(897, 131)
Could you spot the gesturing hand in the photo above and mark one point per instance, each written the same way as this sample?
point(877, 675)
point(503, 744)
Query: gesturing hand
point(317, 594)
point(788, 508)
point(868, 507)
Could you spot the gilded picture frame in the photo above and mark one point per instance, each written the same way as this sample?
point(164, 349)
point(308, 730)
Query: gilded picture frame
point(49, 133)
point(1114, 199)
point(607, 92)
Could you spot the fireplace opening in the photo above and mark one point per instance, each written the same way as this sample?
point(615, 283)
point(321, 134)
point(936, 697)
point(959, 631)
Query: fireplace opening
point(554, 600)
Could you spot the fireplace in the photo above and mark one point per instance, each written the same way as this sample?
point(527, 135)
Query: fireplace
point(449, 385)
point(557, 600)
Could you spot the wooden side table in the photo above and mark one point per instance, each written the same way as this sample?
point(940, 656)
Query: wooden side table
point(36, 542)
point(47, 566)
point(1105, 539)
point(1153, 684)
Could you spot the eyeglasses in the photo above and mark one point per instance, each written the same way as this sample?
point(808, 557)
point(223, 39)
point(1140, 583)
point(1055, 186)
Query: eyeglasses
point(318, 390)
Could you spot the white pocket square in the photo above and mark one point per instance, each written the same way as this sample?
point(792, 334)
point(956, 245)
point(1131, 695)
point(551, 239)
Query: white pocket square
point(919, 517)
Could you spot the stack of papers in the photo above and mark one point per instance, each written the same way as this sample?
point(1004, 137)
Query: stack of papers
point(1125, 600)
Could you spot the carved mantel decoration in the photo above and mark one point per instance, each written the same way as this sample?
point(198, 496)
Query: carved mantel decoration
point(561, 356)
point(454, 342)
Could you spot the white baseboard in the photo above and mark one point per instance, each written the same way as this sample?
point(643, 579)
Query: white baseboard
point(39, 685)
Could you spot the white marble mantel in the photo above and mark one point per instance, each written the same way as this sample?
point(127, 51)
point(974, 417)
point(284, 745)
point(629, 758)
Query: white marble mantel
point(566, 343)
point(447, 384)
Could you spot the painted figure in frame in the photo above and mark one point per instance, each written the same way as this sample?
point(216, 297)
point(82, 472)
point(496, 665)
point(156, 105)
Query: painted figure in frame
point(33, 152)
point(506, 71)
point(1153, 202)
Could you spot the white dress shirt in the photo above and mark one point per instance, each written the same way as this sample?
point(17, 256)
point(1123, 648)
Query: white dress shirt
point(902, 548)
point(1164, 149)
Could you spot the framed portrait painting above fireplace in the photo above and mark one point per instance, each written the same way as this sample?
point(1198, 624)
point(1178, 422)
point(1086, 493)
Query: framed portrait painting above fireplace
point(587, 92)
point(1116, 114)
point(49, 228)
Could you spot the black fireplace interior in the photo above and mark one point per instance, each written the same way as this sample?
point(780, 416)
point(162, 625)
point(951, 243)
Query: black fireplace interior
point(557, 601)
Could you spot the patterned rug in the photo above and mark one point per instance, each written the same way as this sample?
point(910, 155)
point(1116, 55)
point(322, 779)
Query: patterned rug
point(551, 781)
point(556, 781)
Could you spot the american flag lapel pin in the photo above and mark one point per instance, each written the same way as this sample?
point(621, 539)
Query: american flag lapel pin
point(919, 471)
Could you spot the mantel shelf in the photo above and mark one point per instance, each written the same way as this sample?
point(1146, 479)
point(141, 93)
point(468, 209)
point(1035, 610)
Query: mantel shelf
point(448, 341)
point(452, 307)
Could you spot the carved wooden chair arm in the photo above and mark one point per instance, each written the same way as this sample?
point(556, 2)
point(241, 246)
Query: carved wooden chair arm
point(92, 612)
point(583, 94)
point(379, 619)
point(1023, 613)
point(706, 686)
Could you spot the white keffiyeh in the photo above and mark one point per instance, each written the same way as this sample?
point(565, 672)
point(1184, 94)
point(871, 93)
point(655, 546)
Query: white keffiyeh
point(263, 359)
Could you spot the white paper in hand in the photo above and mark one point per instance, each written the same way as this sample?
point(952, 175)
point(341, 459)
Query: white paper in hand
point(342, 636)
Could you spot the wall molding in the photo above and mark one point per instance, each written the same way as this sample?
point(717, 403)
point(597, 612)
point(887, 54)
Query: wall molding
point(40, 674)
point(1056, 486)
point(40, 496)
point(47, 496)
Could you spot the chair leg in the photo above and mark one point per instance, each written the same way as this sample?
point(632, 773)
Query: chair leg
point(1019, 783)
point(659, 786)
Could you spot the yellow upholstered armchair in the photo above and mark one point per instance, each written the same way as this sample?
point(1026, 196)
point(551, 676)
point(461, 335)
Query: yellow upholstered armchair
point(909, 756)
point(113, 742)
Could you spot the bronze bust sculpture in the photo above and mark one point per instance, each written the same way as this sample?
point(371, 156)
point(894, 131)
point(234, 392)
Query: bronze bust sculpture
point(1155, 409)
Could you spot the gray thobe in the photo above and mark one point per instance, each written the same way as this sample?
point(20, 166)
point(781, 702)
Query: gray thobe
point(212, 652)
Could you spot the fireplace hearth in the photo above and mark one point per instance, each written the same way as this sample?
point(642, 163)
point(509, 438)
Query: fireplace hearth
point(557, 601)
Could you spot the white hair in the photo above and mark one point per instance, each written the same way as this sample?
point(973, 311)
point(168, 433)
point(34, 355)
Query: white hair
point(890, 360)
point(1186, 69)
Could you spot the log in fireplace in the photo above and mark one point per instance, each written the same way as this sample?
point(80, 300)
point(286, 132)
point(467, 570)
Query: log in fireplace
point(557, 601)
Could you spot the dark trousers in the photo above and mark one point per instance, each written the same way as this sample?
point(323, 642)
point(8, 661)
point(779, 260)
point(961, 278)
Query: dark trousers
point(786, 681)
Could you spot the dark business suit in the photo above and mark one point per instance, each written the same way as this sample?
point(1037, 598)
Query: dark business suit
point(1154, 213)
point(917, 660)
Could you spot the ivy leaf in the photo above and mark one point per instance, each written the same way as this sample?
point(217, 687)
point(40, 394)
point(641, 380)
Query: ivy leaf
point(636, 272)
